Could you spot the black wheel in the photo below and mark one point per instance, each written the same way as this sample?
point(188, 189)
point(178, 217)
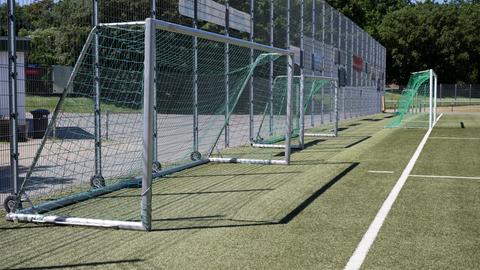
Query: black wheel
point(156, 166)
point(11, 203)
point(97, 181)
point(195, 156)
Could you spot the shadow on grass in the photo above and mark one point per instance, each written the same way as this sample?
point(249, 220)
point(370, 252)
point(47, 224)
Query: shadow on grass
point(87, 264)
point(236, 223)
point(185, 193)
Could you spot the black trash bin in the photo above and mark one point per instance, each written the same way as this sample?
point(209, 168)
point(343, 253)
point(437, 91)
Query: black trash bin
point(40, 122)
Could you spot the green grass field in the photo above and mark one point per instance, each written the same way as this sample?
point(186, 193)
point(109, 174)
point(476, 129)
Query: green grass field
point(70, 105)
point(309, 215)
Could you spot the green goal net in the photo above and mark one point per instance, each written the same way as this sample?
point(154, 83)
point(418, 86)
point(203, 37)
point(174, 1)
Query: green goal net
point(417, 103)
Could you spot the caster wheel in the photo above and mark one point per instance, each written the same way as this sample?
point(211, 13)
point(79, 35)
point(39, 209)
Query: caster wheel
point(97, 181)
point(195, 156)
point(156, 166)
point(11, 203)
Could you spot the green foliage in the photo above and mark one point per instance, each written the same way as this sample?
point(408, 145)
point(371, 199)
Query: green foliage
point(418, 36)
point(443, 37)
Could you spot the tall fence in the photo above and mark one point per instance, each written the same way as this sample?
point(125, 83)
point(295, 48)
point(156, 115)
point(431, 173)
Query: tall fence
point(41, 40)
point(449, 95)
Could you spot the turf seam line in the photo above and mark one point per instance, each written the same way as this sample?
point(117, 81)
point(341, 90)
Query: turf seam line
point(445, 176)
point(360, 253)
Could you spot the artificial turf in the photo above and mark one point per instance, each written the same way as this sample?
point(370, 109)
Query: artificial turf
point(308, 215)
point(434, 223)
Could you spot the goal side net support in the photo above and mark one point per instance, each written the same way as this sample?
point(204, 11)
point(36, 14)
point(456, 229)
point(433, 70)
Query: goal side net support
point(417, 105)
point(146, 100)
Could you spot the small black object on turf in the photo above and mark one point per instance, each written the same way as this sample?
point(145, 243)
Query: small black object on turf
point(462, 125)
point(11, 203)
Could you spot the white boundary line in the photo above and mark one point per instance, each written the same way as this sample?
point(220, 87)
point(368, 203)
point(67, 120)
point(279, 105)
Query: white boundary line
point(445, 176)
point(454, 138)
point(363, 247)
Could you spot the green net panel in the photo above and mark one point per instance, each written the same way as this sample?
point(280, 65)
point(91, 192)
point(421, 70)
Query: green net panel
point(66, 157)
point(413, 103)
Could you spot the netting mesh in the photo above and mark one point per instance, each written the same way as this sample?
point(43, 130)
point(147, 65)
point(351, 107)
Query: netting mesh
point(67, 157)
point(318, 91)
point(414, 102)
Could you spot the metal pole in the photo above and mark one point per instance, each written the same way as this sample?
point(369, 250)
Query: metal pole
point(12, 86)
point(455, 99)
point(288, 132)
point(339, 60)
point(314, 22)
point(351, 69)
point(430, 111)
point(435, 99)
point(335, 128)
point(227, 76)
point(470, 95)
point(149, 88)
point(252, 21)
point(323, 62)
point(271, 69)
point(195, 78)
point(331, 42)
point(97, 178)
point(301, 134)
point(156, 163)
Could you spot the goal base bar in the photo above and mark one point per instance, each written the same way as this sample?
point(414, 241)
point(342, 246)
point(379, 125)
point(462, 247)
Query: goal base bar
point(279, 146)
point(249, 161)
point(320, 135)
point(88, 222)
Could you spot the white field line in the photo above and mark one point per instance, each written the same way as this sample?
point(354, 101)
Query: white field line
point(363, 247)
point(386, 172)
point(445, 176)
point(454, 138)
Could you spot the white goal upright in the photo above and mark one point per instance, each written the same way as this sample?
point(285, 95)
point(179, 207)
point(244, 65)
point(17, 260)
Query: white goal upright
point(171, 101)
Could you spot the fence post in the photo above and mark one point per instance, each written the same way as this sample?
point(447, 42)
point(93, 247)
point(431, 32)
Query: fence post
point(323, 62)
point(252, 21)
point(227, 76)
point(314, 21)
point(156, 163)
point(302, 78)
point(97, 179)
point(455, 99)
point(271, 69)
point(12, 86)
point(195, 80)
point(470, 95)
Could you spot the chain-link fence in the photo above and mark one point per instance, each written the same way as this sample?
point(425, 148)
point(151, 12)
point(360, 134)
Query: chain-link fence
point(41, 40)
point(449, 95)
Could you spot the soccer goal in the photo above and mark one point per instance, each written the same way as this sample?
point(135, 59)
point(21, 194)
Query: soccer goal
point(417, 105)
point(146, 100)
point(307, 91)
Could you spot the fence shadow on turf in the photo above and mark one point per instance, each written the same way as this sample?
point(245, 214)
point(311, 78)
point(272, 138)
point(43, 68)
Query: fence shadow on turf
point(224, 221)
point(79, 265)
